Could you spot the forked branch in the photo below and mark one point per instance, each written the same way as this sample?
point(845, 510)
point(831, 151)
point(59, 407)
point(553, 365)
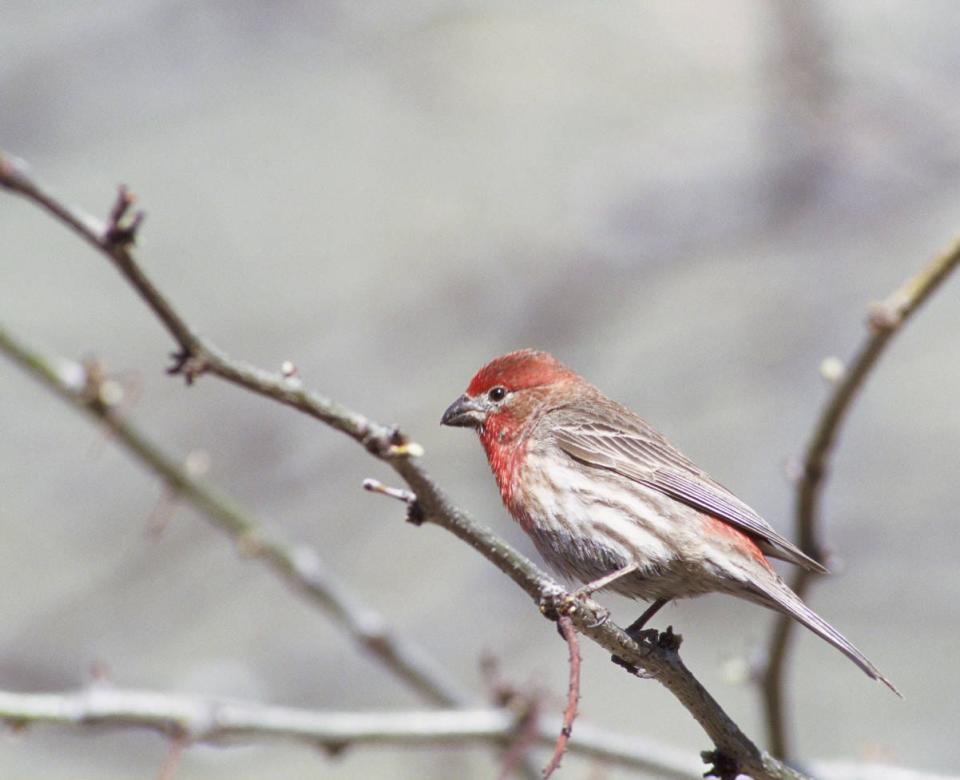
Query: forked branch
point(734, 751)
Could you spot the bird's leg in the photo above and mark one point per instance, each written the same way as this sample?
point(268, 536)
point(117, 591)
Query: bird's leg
point(635, 627)
point(585, 591)
point(554, 605)
point(599, 584)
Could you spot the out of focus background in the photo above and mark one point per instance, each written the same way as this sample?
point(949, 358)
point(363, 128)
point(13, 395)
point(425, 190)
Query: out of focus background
point(690, 203)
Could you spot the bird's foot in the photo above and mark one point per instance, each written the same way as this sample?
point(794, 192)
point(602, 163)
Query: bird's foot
point(603, 615)
point(647, 636)
point(650, 636)
point(666, 640)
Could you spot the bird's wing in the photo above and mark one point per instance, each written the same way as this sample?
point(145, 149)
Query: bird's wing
point(640, 453)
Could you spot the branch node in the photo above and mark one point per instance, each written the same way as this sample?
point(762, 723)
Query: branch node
point(392, 443)
point(886, 315)
point(334, 749)
point(188, 364)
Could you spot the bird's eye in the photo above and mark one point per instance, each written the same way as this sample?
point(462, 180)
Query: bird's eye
point(497, 393)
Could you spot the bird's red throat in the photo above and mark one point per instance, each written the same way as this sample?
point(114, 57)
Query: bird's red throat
point(506, 447)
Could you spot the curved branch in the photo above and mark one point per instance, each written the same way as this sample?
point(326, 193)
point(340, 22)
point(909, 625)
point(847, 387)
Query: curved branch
point(196, 356)
point(734, 753)
point(885, 320)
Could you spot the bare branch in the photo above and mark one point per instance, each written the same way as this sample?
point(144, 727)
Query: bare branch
point(885, 320)
point(734, 752)
point(194, 719)
point(300, 565)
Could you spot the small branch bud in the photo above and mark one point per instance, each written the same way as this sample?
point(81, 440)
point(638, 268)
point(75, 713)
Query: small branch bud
point(832, 369)
point(110, 393)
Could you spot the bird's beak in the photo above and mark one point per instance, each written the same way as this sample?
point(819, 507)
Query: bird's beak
point(465, 412)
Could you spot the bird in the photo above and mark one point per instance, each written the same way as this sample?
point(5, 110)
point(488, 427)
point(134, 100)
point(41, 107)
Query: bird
point(609, 502)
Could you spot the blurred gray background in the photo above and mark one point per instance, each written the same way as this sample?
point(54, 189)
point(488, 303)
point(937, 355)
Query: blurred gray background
point(690, 203)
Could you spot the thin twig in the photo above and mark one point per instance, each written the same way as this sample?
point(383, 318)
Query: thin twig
point(734, 752)
point(174, 756)
point(300, 565)
point(525, 736)
point(573, 696)
point(885, 320)
point(197, 719)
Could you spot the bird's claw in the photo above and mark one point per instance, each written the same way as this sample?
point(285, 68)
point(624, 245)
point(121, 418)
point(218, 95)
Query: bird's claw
point(663, 639)
point(645, 636)
point(603, 615)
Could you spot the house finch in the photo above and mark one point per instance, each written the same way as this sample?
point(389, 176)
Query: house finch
point(609, 502)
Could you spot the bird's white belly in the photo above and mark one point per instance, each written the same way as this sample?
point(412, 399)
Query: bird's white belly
point(589, 522)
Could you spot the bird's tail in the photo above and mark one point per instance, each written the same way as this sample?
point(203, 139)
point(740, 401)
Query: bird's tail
point(781, 598)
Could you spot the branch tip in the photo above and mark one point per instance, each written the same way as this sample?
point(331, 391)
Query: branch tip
point(7, 170)
point(415, 513)
point(121, 229)
point(401, 494)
